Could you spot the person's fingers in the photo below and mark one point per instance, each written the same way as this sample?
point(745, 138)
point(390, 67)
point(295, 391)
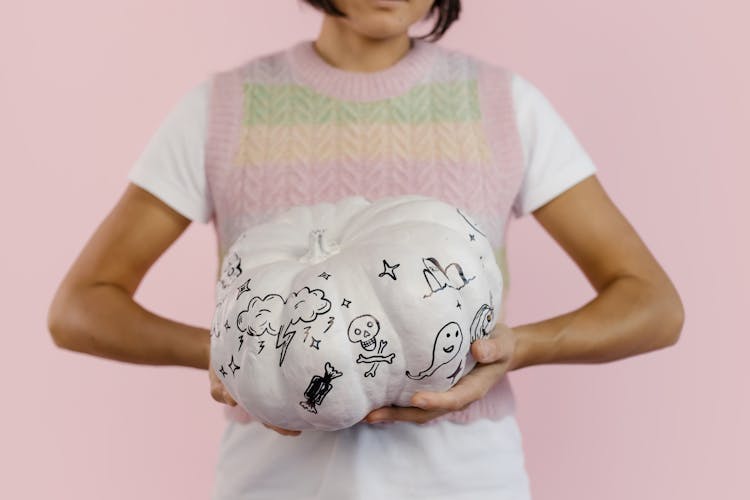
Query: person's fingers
point(484, 350)
point(471, 387)
point(497, 347)
point(217, 393)
point(228, 399)
point(222, 396)
point(283, 432)
point(403, 414)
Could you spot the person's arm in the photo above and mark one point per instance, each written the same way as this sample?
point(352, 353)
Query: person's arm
point(93, 310)
point(636, 310)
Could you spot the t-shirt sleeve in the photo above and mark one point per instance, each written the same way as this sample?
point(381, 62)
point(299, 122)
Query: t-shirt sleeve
point(171, 166)
point(554, 160)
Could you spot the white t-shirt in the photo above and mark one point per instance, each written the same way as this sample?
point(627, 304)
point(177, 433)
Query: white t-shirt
point(480, 460)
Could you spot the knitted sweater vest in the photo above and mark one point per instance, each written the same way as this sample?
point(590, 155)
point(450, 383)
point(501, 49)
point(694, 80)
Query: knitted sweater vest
point(287, 128)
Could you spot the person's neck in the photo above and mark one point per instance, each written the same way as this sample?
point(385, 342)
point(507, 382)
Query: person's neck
point(347, 50)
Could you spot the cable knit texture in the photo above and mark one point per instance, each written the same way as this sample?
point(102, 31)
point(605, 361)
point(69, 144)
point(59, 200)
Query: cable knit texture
point(287, 128)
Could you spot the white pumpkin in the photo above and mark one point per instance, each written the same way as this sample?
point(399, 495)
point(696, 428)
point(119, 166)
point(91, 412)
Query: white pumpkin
point(329, 311)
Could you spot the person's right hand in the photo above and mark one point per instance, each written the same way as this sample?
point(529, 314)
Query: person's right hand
point(220, 394)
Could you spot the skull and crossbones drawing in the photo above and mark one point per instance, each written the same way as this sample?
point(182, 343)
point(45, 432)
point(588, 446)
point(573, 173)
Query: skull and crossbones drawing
point(363, 330)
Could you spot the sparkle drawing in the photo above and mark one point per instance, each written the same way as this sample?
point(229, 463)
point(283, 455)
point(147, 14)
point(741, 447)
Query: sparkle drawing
point(439, 277)
point(446, 347)
point(388, 270)
point(318, 388)
point(233, 366)
point(245, 287)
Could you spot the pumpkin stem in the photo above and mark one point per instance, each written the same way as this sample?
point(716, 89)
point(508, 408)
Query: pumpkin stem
point(320, 247)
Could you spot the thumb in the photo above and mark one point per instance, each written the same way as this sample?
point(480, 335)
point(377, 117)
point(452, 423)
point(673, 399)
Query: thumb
point(486, 350)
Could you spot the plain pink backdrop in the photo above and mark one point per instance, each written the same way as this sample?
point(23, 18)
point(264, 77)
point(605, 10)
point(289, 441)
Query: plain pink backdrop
point(656, 92)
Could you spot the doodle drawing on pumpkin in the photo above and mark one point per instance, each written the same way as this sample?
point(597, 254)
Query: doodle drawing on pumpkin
point(215, 328)
point(480, 323)
point(232, 269)
point(245, 287)
point(389, 270)
point(473, 225)
point(455, 373)
point(318, 388)
point(363, 330)
point(308, 305)
point(439, 277)
point(261, 315)
point(446, 347)
point(258, 316)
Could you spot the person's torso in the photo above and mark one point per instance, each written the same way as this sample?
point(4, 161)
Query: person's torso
point(286, 129)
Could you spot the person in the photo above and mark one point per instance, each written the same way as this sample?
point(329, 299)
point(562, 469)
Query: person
point(366, 108)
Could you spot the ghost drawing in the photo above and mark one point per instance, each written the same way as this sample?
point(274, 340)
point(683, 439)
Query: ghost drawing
point(439, 277)
point(446, 347)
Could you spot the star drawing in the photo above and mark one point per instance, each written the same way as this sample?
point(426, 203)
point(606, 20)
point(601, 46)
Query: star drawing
point(233, 366)
point(388, 270)
point(245, 287)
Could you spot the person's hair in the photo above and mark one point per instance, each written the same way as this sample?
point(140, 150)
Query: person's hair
point(447, 11)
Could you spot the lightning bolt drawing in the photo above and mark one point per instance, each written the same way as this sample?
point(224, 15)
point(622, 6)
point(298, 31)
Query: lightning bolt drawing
point(330, 324)
point(307, 331)
point(261, 345)
point(282, 342)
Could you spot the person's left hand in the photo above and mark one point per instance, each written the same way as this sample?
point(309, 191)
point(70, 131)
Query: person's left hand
point(495, 355)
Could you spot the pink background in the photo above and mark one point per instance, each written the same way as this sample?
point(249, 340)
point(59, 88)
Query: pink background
point(656, 92)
